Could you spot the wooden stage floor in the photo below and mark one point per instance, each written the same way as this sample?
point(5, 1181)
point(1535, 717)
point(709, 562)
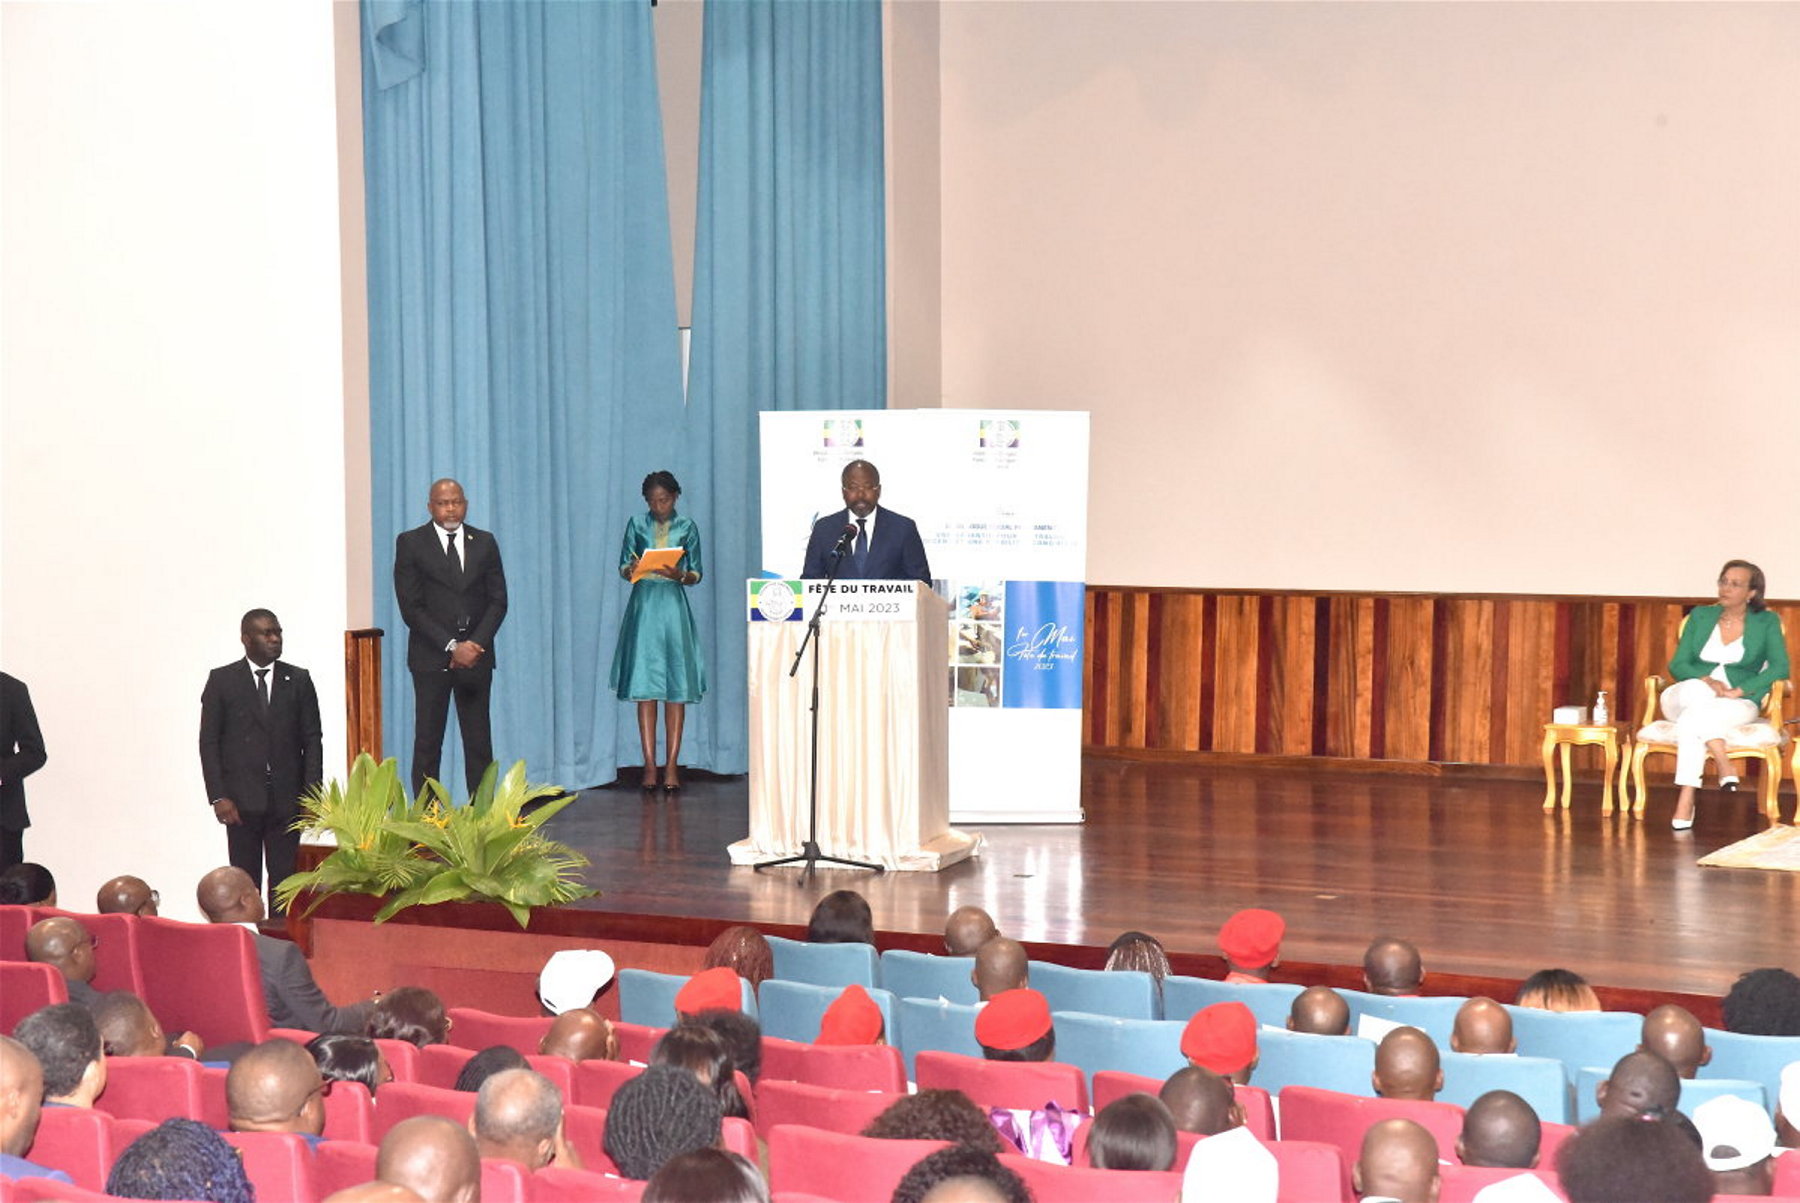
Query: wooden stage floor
point(1472, 870)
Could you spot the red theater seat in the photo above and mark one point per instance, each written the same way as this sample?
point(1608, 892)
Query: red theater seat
point(1462, 1182)
point(25, 987)
point(350, 1113)
point(402, 1057)
point(559, 1070)
point(845, 1067)
point(504, 1181)
point(441, 1064)
point(636, 1040)
point(1017, 1084)
point(845, 1111)
point(554, 1184)
point(79, 1142)
point(1259, 1109)
point(1072, 1184)
point(473, 1029)
point(1308, 1113)
point(116, 965)
point(340, 1164)
point(834, 1166)
point(597, 1081)
point(203, 977)
point(1309, 1172)
point(280, 1164)
point(403, 1100)
point(153, 1089)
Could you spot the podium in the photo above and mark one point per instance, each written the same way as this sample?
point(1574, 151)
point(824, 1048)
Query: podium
point(884, 725)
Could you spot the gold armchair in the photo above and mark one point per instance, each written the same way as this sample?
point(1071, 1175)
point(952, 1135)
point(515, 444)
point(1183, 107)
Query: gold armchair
point(1761, 739)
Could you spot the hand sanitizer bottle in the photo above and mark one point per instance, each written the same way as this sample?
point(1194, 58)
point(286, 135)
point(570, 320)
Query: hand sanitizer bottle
point(1602, 716)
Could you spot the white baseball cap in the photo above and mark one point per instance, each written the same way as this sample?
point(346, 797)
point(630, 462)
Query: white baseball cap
point(1736, 1124)
point(571, 978)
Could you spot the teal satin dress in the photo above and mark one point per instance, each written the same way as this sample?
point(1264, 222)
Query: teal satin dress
point(658, 657)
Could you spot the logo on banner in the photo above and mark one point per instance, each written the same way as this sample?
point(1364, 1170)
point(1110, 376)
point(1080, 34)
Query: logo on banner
point(775, 601)
point(1043, 647)
point(843, 432)
point(1000, 432)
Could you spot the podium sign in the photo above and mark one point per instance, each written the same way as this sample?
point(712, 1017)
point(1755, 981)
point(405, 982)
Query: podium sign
point(884, 735)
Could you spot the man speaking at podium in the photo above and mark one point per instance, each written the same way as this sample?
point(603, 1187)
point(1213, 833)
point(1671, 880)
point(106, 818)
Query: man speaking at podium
point(877, 544)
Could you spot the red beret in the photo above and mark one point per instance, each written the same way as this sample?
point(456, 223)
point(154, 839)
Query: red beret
point(1221, 1038)
point(710, 990)
point(852, 1018)
point(1252, 938)
point(1013, 1019)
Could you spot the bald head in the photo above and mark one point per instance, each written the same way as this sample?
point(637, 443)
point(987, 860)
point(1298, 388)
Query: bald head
point(1672, 1033)
point(1201, 1101)
point(127, 1028)
point(1000, 964)
point(967, 929)
point(276, 1087)
point(227, 895)
point(1321, 1011)
point(63, 943)
point(1641, 1083)
point(21, 1096)
point(1391, 966)
point(1406, 1066)
point(432, 1157)
point(580, 1034)
point(1399, 1160)
point(1500, 1129)
point(518, 1113)
point(1482, 1026)
point(126, 895)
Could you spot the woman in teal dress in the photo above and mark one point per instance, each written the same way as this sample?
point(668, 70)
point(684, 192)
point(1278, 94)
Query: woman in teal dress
point(658, 657)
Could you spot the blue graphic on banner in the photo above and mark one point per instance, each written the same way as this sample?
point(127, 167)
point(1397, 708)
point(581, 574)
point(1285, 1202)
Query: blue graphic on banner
point(1043, 645)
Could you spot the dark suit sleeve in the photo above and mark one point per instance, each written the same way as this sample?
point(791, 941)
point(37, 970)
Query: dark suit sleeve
point(24, 752)
point(409, 591)
point(913, 564)
point(819, 546)
point(212, 737)
point(312, 734)
point(301, 1003)
point(494, 578)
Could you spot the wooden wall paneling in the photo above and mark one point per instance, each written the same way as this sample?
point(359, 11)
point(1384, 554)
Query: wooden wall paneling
point(1093, 676)
point(362, 693)
point(1350, 649)
point(1529, 695)
point(1235, 696)
point(1114, 731)
point(1135, 663)
point(1465, 681)
point(1406, 700)
point(1178, 717)
point(1287, 692)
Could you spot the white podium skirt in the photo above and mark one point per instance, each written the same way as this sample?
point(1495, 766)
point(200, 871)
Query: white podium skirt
point(883, 745)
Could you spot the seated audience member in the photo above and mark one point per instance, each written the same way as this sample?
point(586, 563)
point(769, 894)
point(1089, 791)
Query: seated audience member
point(1232, 1165)
point(744, 951)
point(702, 1052)
point(276, 1087)
point(710, 989)
point(21, 1099)
point(343, 1058)
point(936, 1115)
point(1763, 1002)
point(433, 1157)
point(1407, 1066)
point(1787, 1107)
point(486, 1063)
point(128, 1029)
point(227, 895)
point(410, 1013)
point(1250, 942)
point(852, 1018)
point(1399, 1162)
point(372, 1192)
point(661, 1113)
point(1132, 1133)
point(742, 1036)
point(1640, 1084)
point(1501, 1130)
point(1015, 1026)
point(1737, 1142)
point(63, 944)
point(1672, 1033)
point(1483, 1026)
point(581, 1035)
point(180, 1159)
point(127, 895)
point(962, 1173)
point(519, 1117)
point(1557, 990)
point(1000, 965)
point(66, 1044)
point(1142, 953)
point(968, 928)
point(1518, 1188)
point(1201, 1102)
point(27, 884)
point(1392, 967)
point(1222, 1038)
point(1628, 1160)
point(1319, 1011)
point(842, 917)
point(706, 1176)
point(572, 977)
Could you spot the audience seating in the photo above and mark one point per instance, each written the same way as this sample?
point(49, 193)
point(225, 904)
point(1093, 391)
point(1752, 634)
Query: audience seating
point(1341, 1063)
point(350, 1113)
point(1184, 1145)
point(1461, 1183)
point(1752, 1058)
point(1309, 1171)
point(1434, 1016)
point(403, 1100)
point(928, 1024)
point(1268, 1001)
point(152, 1088)
point(1259, 1108)
point(116, 964)
point(845, 1111)
point(1787, 1174)
point(1693, 1093)
point(908, 974)
point(1538, 1080)
point(1015, 1084)
point(79, 1142)
point(279, 1164)
point(474, 1029)
point(203, 977)
point(636, 1040)
point(1125, 994)
point(560, 1070)
point(1341, 1119)
point(15, 921)
point(25, 987)
point(48, 1190)
point(1151, 1047)
point(215, 1106)
point(834, 965)
point(585, 1130)
point(1576, 1038)
point(339, 1164)
point(1551, 1138)
point(835, 1166)
point(1074, 1184)
point(845, 1067)
point(647, 998)
point(794, 1010)
point(441, 1064)
point(402, 1057)
point(504, 1181)
point(597, 1081)
point(558, 1184)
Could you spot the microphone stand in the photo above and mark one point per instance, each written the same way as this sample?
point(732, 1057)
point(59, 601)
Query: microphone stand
point(809, 854)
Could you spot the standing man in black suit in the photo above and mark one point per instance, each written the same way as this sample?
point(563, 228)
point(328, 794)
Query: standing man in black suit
point(452, 593)
point(21, 754)
point(878, 544)
point(261, 747)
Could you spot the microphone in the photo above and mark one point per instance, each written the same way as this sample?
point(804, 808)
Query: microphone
point(845, 539)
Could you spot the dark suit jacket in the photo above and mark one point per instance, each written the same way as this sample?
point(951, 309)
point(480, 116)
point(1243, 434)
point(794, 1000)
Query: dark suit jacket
point(294, 999)
point(21, 751)
point(260, 758)
point(896, 553)
point(436, 606)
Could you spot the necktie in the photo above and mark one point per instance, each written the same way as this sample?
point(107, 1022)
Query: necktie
point(262, 686)
point(450, 553)
point(862, 543)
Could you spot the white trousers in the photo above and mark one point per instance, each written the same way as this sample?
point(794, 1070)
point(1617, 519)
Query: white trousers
point(1700, 715)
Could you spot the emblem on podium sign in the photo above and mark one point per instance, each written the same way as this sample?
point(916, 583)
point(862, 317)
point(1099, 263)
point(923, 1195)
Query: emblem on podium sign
point(774, 601)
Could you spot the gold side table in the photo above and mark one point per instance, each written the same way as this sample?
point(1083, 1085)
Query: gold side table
point(1572, 735)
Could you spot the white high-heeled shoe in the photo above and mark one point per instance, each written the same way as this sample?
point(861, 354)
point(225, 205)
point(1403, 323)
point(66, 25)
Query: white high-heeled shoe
point(1682, 824)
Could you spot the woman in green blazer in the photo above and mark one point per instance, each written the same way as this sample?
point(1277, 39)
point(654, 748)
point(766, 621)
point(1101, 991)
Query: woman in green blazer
point(1728, 657)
